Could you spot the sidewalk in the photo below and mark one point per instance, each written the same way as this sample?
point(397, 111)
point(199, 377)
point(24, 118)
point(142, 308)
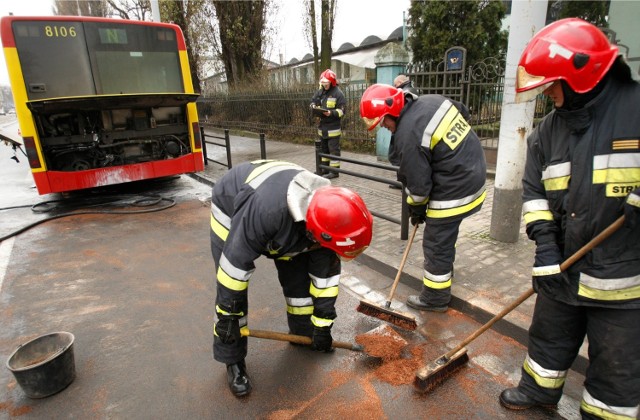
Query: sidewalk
point(489, 274)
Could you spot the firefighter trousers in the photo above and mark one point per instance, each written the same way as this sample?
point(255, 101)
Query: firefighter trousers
point(556, 334)
point(330, 146)
point(439, 248)
point(294, 276)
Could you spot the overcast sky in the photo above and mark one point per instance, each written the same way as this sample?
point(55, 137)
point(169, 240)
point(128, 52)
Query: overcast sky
point(355, 20)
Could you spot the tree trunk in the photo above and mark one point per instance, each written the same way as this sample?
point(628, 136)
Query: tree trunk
point(241, 25)
point(314, 37)
point(327, 14)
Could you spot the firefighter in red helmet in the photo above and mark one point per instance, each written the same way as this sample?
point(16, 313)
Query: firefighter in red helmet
point(443, 170)
point(328, 104)
point(288, 214)
point(582, 173)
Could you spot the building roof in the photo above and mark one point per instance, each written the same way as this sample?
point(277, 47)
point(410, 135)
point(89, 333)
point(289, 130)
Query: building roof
point(395, 35)
point(346, 46)
point(362, 58)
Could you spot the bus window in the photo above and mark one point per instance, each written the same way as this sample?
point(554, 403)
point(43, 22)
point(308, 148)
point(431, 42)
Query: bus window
point(47, 51)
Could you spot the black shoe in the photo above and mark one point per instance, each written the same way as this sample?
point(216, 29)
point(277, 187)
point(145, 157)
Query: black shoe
point(330, 175)
point(514, 399)
point(395, 187)
point(414, 302)
point(239, 381)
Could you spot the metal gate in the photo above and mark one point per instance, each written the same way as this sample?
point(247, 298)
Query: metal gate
point(479, 87)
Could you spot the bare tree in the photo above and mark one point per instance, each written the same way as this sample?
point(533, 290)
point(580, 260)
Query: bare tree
point(98, 8)
point(321, 60)
point(328, 19)
point(310, 21)
point(241, 25)
point(131, 9)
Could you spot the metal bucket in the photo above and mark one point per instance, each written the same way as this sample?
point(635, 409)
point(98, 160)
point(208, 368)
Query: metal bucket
point(44, 365)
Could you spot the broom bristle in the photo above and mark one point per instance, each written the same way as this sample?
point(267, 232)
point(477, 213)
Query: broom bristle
point(438, 371)
point(403, 321)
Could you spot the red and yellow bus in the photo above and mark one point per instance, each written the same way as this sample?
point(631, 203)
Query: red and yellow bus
point(101, 101)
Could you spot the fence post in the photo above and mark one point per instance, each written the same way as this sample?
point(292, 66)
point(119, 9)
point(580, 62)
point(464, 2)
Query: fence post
point(263, 149)
point(227, 146)
point(204, 146)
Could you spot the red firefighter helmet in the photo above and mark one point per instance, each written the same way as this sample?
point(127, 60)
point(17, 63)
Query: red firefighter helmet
point(338, 219)
point(328, 76)
point(380, 100)
point(569, 49)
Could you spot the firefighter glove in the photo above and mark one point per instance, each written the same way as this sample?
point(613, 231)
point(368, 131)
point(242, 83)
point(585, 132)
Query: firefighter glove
point(632, 209)
point(228, 330)
point(321, 339)
point(546, 274)
point(418, 214)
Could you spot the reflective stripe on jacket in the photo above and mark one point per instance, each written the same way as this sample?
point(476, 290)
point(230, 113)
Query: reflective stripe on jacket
point(441, 160)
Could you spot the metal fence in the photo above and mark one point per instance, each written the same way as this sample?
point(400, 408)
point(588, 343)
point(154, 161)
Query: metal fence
point(284, 114)
point(480, 87)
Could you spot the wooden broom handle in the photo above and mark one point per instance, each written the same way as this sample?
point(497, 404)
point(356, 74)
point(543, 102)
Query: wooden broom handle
point(298, 339)
point(566, 264)
point(404, 259)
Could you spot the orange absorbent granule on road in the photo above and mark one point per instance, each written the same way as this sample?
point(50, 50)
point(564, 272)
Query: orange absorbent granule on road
point(401, 371)
point(396, 368)
point(385, 346)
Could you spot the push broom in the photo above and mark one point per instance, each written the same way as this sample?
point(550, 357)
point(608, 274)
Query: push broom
point(430, 376)
point(385, 312)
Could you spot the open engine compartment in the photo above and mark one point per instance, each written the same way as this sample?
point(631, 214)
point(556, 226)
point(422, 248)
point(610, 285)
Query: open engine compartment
point(78, 135)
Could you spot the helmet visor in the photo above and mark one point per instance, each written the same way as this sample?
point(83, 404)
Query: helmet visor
point(529, 86)
point(371, 123)
point(532, 94)
point(526, 81)
point(349, 255)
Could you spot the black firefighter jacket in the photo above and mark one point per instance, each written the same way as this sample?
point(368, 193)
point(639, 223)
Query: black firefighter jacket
point(259, 208)
point(581, 165)
point(333, 100)
point(441, 160)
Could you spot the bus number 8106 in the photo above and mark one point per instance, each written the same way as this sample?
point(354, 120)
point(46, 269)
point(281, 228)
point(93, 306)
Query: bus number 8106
point(59, 31)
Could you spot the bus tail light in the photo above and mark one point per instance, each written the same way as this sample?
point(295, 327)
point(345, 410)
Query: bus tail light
point(197, 138)
point(32, 152)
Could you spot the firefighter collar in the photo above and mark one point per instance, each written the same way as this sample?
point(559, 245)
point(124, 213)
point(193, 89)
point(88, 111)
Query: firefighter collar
point(300, 191)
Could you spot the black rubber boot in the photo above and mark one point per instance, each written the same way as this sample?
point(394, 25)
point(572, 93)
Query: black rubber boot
point(514, 399)
point(331, 175)
point(415, 302)
point(239, 381)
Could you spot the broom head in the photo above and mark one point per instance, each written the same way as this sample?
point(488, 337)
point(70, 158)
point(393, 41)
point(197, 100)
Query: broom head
point(439, 370)
point(399, 319)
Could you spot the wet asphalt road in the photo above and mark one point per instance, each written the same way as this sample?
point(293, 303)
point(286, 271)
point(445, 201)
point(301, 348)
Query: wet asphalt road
point(137, 292)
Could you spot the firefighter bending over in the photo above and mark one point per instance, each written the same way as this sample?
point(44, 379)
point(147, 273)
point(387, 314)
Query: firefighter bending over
point(442, 167)
point(288, 214)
